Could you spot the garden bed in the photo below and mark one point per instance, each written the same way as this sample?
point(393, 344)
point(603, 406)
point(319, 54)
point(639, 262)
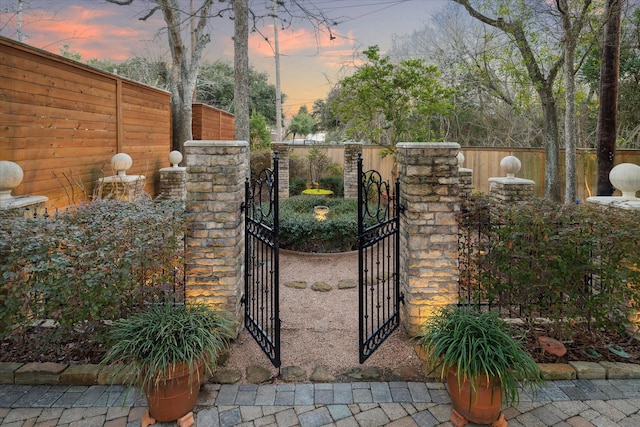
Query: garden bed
point(36, 345)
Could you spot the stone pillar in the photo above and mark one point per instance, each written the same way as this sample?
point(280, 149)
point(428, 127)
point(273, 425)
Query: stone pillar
point(173, 183)
point(173, 180)
point(351, 179)
point(510, 190)
point(465, 177)
point(121, 186)
point(214, 249)
point(282, 148)
point(429, 192)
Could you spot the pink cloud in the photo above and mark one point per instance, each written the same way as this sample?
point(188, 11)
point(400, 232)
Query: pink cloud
point(93, 33)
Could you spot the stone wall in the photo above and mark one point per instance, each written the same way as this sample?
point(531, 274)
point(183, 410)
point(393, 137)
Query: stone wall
point(173, 183)
point(282, 148)
point(351, 180)
point(429, 192)
point(508, 191)
point(214, 249)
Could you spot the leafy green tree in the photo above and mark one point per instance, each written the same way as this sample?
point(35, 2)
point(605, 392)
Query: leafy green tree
point(259, 133)
point(386, 103)
point(66, 52)
point(143, 70)
point(216, 88)
point(302, 123)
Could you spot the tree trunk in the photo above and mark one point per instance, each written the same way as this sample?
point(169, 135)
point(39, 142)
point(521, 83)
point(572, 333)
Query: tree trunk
point(544, 87)
point(607, 114)
point(241, 70)
point(551, 138)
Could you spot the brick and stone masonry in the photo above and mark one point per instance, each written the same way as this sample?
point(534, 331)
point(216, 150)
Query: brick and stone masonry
point(351, 181)
point(283, 149)
point(173, 183)
point(429, 191)
point(216, 175)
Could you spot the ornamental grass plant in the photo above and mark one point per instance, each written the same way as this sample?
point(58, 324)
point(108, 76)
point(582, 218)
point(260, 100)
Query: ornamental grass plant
point(478, 345)
point(151, 341)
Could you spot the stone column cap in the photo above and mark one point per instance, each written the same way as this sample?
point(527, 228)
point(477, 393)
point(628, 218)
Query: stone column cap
point(512, 181)
point(616, 202)
point(174, 169)
point(21, 201)
point(428, 145)
point(216, 143)
point(122, 178)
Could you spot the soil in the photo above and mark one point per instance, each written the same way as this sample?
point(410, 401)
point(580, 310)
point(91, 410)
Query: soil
point(318, 329)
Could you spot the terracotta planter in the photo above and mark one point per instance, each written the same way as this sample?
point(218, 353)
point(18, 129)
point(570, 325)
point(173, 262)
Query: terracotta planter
point(172, 399)
point(481, 406)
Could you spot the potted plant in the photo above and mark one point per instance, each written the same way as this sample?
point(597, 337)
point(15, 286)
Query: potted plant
point(481, 361)
point(168, 347)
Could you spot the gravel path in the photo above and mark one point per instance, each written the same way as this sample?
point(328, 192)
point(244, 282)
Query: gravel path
point(321, 328)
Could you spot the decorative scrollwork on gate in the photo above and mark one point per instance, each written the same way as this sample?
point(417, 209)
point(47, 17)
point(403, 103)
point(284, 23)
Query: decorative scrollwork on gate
point(378, 260)
point(261, 296)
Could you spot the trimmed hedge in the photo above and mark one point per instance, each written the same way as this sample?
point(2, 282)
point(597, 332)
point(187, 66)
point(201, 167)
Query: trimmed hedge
point(301, 231)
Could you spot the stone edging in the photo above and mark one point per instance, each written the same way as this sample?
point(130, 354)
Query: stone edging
point(51, 373)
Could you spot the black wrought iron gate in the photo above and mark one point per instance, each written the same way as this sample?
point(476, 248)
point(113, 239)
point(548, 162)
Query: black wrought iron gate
point(378, 260)
point(261, 291)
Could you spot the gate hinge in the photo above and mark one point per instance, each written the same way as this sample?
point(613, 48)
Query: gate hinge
point(402, 208)
point(243, 300)
point(402, 297)
point(243, 205)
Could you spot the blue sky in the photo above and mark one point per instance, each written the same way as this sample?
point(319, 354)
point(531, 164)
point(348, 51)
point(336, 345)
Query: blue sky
point(311, 60)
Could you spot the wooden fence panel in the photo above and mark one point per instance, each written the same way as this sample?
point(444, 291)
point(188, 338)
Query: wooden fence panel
point(210, 123)
point(62, 121)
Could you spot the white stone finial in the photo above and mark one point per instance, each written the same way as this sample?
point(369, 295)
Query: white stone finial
point(626, 178)
point(11, 175)
point(510, 165)
point(460, 157)
point(175, 157)
point(121, 163)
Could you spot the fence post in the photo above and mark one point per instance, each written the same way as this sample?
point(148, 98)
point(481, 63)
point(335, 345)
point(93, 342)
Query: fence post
point(282, 148)
point(214, 247)
point(173, 180)
point(465, 178)
point(510, 190)
point(351, 179)
point(429, 192)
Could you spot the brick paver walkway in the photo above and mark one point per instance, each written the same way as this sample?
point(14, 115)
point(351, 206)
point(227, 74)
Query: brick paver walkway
point(576, 403)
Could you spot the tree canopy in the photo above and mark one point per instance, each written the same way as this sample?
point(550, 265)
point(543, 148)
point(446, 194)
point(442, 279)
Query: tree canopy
point(386, 103)
point(302, 123)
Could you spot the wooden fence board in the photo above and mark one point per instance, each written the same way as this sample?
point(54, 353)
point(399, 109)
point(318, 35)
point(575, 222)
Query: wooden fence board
point(61, 117)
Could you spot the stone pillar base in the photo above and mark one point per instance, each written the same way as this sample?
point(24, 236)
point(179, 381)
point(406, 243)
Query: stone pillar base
point(121, 187)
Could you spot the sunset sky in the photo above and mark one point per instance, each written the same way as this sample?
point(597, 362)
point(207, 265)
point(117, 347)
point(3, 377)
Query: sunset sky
point(310, 60)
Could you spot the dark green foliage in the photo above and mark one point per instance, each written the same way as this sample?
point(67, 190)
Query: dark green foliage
point(333, 183)
point(297, 185)
point(578, 262)
point(478, 345)
point(150, 341)
point(260, 160)
point(88, 264)
point(300, 231)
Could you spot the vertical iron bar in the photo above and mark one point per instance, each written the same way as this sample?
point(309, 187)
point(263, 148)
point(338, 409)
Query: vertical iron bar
point(276, 261)
point(361, 331)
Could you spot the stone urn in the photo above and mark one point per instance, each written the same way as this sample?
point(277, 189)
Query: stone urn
point(11, 176)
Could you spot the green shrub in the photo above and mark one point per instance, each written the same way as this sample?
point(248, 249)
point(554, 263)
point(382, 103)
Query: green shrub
point(260, 160)
point(297, 186)
point(561, 262)
point(301, 231)
point(90, 263)
point(333, 183)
